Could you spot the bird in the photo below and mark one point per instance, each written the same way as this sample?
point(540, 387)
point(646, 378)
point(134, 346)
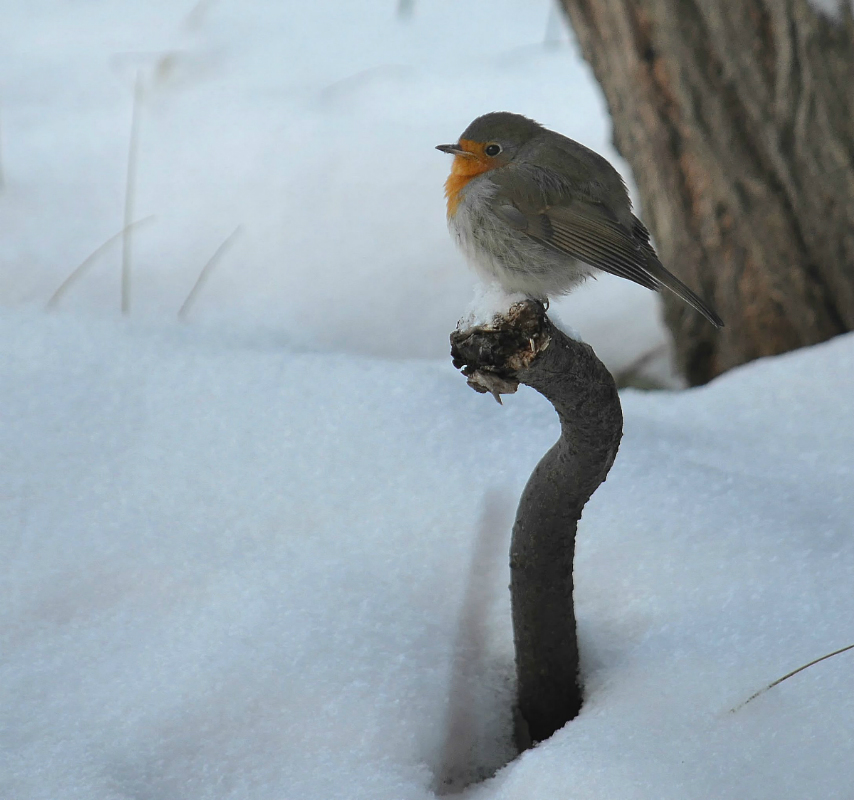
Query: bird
point(537, 213)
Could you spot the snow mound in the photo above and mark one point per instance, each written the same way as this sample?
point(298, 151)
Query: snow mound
point(231, 570)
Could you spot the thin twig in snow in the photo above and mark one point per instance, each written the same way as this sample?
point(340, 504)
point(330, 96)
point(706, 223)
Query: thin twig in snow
point(206, 271)
point(628, 375)
point(130, 191)
point(81, 268)
point(789, 675)
point(2, 176)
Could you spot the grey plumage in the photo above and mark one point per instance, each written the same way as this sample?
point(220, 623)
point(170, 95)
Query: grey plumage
point(548, 210)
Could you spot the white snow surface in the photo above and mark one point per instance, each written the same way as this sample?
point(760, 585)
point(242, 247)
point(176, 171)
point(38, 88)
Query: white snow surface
point(491, 301)
point(232, 570)
point(264, 554)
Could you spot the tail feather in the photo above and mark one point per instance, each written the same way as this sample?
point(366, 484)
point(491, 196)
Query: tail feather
point(664, 278)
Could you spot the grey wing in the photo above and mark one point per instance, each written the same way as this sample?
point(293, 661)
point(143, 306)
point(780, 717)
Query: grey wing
point(589, 232)
point(585, 231)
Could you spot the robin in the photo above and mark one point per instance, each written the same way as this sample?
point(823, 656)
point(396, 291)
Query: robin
point(537, 213)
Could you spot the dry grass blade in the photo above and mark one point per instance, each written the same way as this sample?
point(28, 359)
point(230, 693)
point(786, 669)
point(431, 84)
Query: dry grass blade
point(196, 17)
point(629, 376)
point(790, 674)
point(130, 192)
point(2, 176)
point(87, 262)
point(206, 272)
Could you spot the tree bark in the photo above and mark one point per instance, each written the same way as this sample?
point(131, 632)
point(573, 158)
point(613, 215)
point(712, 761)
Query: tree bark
point(524, 347)
point(737, 118)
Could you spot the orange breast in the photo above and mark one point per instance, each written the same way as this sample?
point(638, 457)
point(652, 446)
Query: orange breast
point(454, 191)
point(463, 170)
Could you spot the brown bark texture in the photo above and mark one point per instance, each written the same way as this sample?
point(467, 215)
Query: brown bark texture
point(524, 347)
point(737, 119)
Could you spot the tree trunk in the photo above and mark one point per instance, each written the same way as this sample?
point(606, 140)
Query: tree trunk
point(737, 118)
point(524, 347)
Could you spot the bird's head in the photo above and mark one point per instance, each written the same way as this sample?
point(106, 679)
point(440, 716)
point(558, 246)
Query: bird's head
point(491, 141)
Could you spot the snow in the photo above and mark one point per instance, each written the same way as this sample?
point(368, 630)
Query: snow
point(235, 570)
point(489, 301)
point(263, 554)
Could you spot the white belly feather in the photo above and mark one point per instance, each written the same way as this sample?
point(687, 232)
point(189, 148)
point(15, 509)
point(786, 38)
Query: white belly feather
point(500, 254)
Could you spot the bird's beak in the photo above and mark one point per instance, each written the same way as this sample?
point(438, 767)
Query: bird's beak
point(453, 149)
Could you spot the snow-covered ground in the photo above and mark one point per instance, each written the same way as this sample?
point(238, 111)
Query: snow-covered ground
point(262, 554)
point(230, 570)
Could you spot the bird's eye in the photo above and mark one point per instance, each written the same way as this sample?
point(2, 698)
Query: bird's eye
point(492, 149)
